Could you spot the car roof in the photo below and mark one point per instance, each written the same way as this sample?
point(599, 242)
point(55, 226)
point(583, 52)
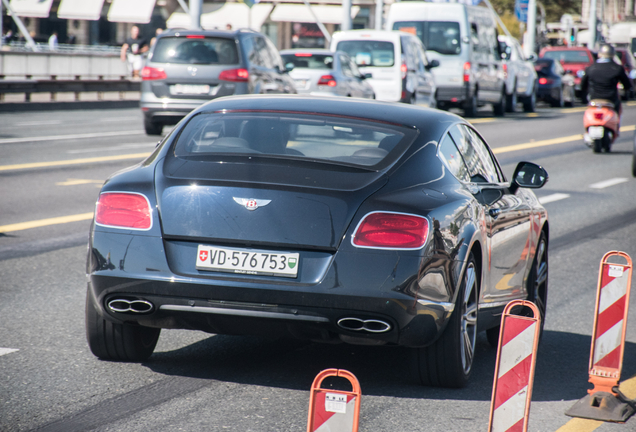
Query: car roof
point(309, 51)
point(187, 32)
point(366, 34)
point(430, 122)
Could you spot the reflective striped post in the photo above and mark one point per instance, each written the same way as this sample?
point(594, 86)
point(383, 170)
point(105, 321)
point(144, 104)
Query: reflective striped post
point(334, 410)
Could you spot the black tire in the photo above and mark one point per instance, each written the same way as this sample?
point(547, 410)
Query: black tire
point(499, 109)
point(606, 141)
point(597, 146)
point(470, 107)
point(448, 362)
point(537, 284)
point(530, 102)
point(153, 128)
point(121, 342)
point(512, 99)
point(557, 103)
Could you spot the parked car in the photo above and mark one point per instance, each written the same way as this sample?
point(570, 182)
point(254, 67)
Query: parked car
point(556, 86)
point(521, 78)
point(186, 68)
point(321, 72)
point(628, 61)
point(397, 63)
point(464, 41)
point(574, 60)
point(321, 218)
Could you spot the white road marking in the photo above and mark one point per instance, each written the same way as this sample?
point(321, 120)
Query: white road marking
point(554, 197)
point(69, 137)
point(118, 119)
point(608, 183)
point(119, 147)
point(4, 351)
point(40, 123)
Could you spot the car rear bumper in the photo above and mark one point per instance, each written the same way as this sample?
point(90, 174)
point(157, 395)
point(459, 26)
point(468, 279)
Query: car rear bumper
point(130, 267)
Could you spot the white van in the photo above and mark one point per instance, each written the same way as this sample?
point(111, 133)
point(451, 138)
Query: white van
point(397, 62)
point(464, 41)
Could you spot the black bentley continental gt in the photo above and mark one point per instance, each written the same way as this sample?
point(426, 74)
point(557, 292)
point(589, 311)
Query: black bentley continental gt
point(317, 218)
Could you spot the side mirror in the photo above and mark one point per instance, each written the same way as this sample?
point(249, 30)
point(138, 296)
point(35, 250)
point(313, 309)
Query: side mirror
point(289, 67)
point(367, 76)
point(528, 175)
point(532, 57)
point(432, 64)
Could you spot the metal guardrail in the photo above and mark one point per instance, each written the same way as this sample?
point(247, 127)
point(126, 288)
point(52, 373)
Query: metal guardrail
point(77, 86)
point(62, 48)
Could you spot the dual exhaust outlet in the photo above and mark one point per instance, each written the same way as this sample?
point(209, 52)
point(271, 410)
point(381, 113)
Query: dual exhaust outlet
point(134, 306)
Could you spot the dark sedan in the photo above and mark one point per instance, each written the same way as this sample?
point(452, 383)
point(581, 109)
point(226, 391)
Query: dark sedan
point(327, 219)
point(556, 86)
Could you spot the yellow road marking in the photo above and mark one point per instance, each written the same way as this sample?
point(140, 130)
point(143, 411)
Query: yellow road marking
point(630, 103)
point(549, 142)
point(46, 222)
point(482, 120)
point(532, 115)
point(627, 387)
point(75, 182)
point(573, 110)
point(73, 161)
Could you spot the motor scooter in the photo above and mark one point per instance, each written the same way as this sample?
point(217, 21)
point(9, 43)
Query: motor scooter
point(601, 123)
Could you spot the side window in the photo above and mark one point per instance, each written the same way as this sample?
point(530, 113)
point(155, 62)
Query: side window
point(261, 46)
point(474, 36)
point(273, 52)
point(473, 154)
point(422, 54)
point(407, 53)
point(250, 53)
point(453, 159)
point(354, 68)
point(345, 66)
point(490, 164)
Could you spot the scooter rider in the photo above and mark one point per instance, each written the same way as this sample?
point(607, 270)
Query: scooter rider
point(603, 76)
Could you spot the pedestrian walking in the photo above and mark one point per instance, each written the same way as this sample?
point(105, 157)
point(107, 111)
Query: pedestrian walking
point(132, 50)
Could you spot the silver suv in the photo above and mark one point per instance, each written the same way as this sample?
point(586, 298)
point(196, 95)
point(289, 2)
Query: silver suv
point(187, 68)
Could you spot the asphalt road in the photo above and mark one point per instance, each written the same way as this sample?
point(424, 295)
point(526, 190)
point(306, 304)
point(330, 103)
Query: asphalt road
point(51, 167)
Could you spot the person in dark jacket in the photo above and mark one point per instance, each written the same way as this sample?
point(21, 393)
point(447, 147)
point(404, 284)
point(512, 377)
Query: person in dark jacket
point(601, 78)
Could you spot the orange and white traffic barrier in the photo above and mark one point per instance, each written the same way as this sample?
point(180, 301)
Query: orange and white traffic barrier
point(608, 343)
point(334, 410)
point(514, 370)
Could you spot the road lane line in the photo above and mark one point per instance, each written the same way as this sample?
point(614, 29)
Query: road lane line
point(552, 198)
point(482, 120)
point(40, 123)
point(137, 156)
point(75, 182)
point(4, 351)
point(114, 148)
point(69, 137)
point(46, 222)
point(607, 183)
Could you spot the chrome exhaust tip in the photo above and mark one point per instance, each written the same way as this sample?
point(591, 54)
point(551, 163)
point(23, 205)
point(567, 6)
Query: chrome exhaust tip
point(368, 325)
point(134, 306)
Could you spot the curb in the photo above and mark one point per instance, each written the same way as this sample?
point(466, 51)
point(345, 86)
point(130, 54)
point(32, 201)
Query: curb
point(55, 106)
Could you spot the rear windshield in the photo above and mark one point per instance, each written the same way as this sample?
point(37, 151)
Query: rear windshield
point(440, 36)
point(543, 66)
point(190, 50)
point(369, 52)
point(309, 61)
point(570, 56)
point(271, 135)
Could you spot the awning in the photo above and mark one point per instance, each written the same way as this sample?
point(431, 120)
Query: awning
point(131, 11)
point(301, 14)
point(31, 8)
point(218, 16)
point(80, 9)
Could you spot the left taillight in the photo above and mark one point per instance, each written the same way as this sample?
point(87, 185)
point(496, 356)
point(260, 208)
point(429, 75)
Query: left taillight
point(123, 210)
point(403, 70)
point(384, 230)
point(152, 74)
point(236, 75)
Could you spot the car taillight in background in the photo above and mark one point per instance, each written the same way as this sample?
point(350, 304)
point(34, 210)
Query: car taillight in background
point(544, 81)
point(505, 70)
point(303, 54)
point(383, 230)
point(123, 210)
point(236, 75)
point(151, 74)
point(598, 116)
point(327, 80)
point(467, 72)
point(403, 69)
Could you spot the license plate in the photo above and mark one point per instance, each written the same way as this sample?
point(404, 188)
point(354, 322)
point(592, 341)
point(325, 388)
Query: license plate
point(596, 132)
point(300, 83)
point(190, 89)
point(247, 261)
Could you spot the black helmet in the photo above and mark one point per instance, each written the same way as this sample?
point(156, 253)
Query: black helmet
point(606, 52)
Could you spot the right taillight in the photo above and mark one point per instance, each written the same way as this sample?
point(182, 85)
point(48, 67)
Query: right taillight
point(236, 75)
point(467, 72)
point(543, 81)
point(123, 210)
point(151, 74)
point(328, 80)
point(384, 230)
